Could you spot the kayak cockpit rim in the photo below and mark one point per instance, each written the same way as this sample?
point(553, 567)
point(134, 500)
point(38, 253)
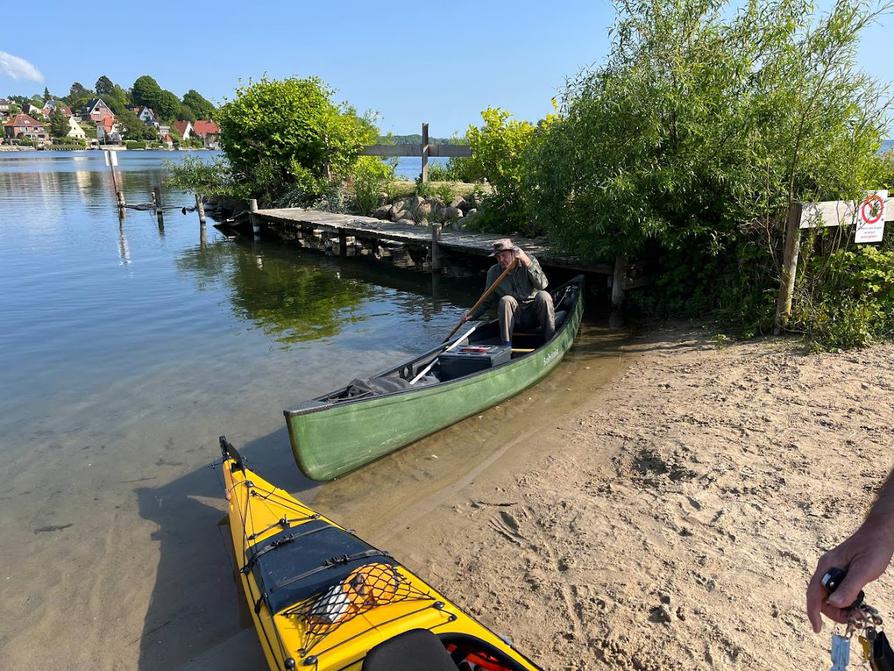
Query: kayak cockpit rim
point(328, 400)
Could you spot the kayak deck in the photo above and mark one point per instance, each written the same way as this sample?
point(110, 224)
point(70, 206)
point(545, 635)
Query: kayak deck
point(321, 598)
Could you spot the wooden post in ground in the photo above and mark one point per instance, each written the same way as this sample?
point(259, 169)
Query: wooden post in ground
point(200, 208)
point(424, 152)
point(252, 217)
point(618, 280)
point(436, 248)
point(789, 267)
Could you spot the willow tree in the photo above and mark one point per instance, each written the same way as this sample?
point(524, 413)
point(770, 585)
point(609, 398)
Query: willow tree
point(685, 148)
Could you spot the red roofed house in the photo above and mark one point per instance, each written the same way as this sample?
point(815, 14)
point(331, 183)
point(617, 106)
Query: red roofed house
point(107, 131)
point(181, 129)
point(97, 110)
point(53, 105)
point(24, 126)
point(208, 131)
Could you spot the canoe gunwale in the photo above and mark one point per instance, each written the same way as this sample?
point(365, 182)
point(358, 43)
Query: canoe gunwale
point(320, 403)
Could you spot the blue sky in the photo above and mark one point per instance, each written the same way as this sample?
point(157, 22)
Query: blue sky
point(410, 61)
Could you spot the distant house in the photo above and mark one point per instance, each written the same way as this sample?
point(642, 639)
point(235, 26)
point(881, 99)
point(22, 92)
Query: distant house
point(209, 132)
point(168, 141)
point(182, 129)
point(4, 106)
point(24, 126)
point(97, 110)
point(33, 110)
point(74, 130)
point(147, 116)
point(163, 130)
point(53, 105)
point(107, 131)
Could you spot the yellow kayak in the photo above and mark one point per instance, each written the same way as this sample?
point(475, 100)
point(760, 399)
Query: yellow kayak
point(322, 599)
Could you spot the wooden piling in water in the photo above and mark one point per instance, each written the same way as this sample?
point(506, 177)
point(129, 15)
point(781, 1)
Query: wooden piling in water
point(252, 217)
point(200, 208)
point(159, 212)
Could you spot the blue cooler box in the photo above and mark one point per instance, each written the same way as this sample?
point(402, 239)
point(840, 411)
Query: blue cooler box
point(472, 358)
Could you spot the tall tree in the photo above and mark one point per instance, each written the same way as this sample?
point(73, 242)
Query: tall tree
point(200, 106)
point(146, 91)
point(58, 124)
point(104, 86)
point(46, 94)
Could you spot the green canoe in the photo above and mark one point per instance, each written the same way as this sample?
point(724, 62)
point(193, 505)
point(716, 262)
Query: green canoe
point(367, 419)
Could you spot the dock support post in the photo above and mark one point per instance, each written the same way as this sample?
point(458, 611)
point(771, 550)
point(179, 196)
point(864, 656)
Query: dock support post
point(436, 248)
point(618, 280)
point(200, 208)
point(342, 244)
point(424, 152)
point(252, 217)
point(789, 267)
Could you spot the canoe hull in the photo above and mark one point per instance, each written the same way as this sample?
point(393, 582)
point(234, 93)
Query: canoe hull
point(338, 438)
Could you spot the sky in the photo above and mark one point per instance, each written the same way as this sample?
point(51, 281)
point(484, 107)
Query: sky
point(408, 61)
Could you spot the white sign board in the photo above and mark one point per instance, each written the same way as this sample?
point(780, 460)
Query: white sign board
point(871, 217)
point(868, 214)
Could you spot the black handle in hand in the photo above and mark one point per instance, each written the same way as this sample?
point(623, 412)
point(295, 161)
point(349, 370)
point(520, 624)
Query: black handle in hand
point(833, 579)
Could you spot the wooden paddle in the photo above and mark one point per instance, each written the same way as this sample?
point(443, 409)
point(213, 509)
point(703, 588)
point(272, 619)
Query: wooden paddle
point(485, 295)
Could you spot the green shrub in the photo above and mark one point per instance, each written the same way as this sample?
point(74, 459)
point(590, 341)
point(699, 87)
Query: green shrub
point(684, 150)
point(288, 136)
point(371, 177)
point(135, 144)
point(499, 151)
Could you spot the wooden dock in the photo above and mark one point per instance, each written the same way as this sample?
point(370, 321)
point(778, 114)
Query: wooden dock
point(449, 242)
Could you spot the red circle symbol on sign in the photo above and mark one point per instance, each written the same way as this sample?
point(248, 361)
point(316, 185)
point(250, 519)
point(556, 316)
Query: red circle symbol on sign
point(872, 209)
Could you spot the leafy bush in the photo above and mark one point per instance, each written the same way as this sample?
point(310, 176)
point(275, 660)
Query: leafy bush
point(499, 150)
point(371, 177)
point(209, 178)
point(288, 136)
point(686, 147)
point(135, 144)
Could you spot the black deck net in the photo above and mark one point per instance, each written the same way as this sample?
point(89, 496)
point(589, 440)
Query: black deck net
point(366, 587)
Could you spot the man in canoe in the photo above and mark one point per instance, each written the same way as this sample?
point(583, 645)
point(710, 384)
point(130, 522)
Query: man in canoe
point(521, 297)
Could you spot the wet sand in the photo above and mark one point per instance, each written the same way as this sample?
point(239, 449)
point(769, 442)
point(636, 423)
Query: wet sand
point(655, 503)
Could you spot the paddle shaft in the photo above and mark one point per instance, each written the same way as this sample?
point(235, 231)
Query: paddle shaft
point(433, 361)
point(485, 295)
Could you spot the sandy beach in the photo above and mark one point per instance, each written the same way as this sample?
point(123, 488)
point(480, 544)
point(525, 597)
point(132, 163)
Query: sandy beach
point(658, 502)
point(672, 520)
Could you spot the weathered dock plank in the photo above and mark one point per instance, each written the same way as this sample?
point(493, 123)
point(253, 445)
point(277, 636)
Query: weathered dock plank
point(461, 242)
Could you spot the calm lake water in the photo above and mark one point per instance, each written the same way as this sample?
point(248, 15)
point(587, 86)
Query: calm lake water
point(126, 349)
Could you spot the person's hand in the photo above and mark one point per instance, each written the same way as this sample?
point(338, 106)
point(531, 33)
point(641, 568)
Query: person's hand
point(465, 318)
point(523, 258)
point(864, 556)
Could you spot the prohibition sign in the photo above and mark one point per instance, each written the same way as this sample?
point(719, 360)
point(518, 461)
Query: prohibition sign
point(872, 209)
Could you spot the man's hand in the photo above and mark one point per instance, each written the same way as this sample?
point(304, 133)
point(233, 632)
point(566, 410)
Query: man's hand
point(523, 258)
point(465, 317)
point(864, 556)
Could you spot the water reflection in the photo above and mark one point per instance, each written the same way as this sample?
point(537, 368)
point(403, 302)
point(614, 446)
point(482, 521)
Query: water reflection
point(290, 302)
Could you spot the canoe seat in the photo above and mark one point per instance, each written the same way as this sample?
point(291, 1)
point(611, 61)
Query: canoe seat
point(561, 316)
point(414, 650)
